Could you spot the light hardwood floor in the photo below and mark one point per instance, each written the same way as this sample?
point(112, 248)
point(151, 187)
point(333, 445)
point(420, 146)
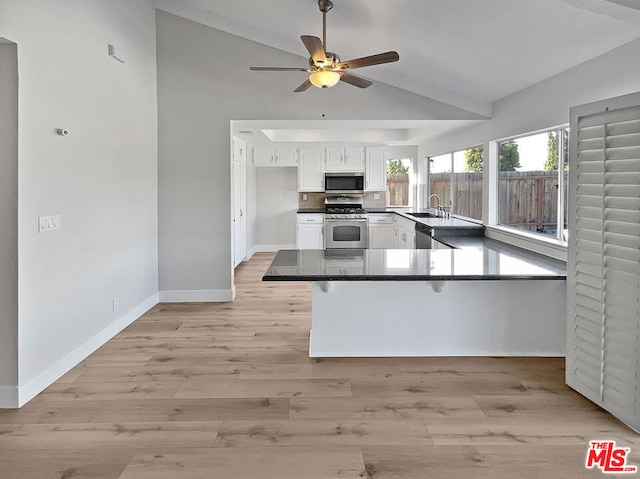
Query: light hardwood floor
point(227, 391)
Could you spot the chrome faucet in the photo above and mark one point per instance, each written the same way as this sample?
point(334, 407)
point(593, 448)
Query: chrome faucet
point(439, 209)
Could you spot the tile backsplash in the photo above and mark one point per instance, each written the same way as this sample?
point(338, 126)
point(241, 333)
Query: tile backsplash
point(371, 202)
point(316, 200)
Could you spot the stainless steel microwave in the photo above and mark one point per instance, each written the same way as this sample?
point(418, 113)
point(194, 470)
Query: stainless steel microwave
point(344, 182)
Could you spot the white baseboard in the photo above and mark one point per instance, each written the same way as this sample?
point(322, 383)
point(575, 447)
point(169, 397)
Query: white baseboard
point(18, 397)
point(268, 248)
point(197, 296)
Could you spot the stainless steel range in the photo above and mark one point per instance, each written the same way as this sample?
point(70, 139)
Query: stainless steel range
point(345, 222)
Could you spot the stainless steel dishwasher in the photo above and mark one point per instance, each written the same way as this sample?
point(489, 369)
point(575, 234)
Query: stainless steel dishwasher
point(423, 236)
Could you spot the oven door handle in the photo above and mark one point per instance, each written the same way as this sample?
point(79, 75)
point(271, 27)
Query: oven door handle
point(359, 220)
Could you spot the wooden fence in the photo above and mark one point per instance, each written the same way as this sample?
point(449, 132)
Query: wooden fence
point(398, 189)
point(527, 199)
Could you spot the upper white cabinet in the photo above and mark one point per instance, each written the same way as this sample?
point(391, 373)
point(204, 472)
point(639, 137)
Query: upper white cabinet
point(339, 158)
point(311, 169)
point(376, 170)
point(278, 156)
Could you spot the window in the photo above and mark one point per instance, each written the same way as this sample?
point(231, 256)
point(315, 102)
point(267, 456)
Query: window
point(401, 185)
point(531, 186)
point(457, 180)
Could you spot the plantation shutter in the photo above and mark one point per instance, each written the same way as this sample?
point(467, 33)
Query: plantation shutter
point(603, 280)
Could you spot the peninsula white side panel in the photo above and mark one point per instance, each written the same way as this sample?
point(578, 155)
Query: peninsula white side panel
point(423, 318)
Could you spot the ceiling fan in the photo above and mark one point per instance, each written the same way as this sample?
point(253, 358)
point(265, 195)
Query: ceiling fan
point(325, 68)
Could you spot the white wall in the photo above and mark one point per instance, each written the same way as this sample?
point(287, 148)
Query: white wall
point(547, 103)
point(276, 206)
point(8, 218)
point(204, 82)
point(102, 179)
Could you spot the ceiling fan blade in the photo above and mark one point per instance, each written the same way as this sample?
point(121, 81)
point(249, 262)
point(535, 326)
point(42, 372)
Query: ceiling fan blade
point(378, 59)
point(354, 80)
point(314, 45)
point(303, 87)
point(279, 69)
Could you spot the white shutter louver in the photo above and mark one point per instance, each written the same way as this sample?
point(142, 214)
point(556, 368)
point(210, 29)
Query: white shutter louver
point(603, 302)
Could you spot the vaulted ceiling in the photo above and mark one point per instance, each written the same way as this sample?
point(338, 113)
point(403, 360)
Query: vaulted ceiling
point(466, 53)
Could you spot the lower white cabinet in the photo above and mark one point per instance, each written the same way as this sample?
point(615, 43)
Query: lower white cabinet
point(310, 231)
point(381, 231)
point(405, 233)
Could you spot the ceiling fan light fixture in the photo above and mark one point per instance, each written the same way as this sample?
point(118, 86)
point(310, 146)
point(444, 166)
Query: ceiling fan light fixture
point(324, 78)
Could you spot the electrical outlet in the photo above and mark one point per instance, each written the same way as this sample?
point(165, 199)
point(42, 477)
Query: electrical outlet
point(304, 197)
point(116, 304)
point(48, 223)
point(376, 196)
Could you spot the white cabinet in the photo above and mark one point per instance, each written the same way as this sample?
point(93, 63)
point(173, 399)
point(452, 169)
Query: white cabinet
point(381, 231)
point(349, 158)
point(406, 239)
point(375, 170)
point(405, 232)
point(310, 231)
point(278, 156)
point(311, 169)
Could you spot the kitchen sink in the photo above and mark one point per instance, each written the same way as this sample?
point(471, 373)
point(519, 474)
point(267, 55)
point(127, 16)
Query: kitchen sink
point(423, 215)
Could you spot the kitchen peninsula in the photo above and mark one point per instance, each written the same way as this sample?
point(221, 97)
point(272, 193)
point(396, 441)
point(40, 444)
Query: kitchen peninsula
point(485, 298)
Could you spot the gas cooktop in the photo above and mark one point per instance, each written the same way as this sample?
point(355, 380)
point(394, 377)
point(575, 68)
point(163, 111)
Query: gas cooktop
point(344, 210)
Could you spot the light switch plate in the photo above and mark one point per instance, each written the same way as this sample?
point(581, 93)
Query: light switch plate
point(48, 223)
point(376, 196)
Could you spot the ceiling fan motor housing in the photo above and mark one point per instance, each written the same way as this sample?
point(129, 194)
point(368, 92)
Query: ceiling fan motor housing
point(332, 59)
point(325, 5)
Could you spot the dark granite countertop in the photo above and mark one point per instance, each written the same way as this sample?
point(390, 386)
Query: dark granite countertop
point(435, 223)
point(486, 261)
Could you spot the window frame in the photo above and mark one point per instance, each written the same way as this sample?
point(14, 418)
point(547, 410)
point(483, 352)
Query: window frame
point(413, 182)
point(494, 216)
point(451, 183)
